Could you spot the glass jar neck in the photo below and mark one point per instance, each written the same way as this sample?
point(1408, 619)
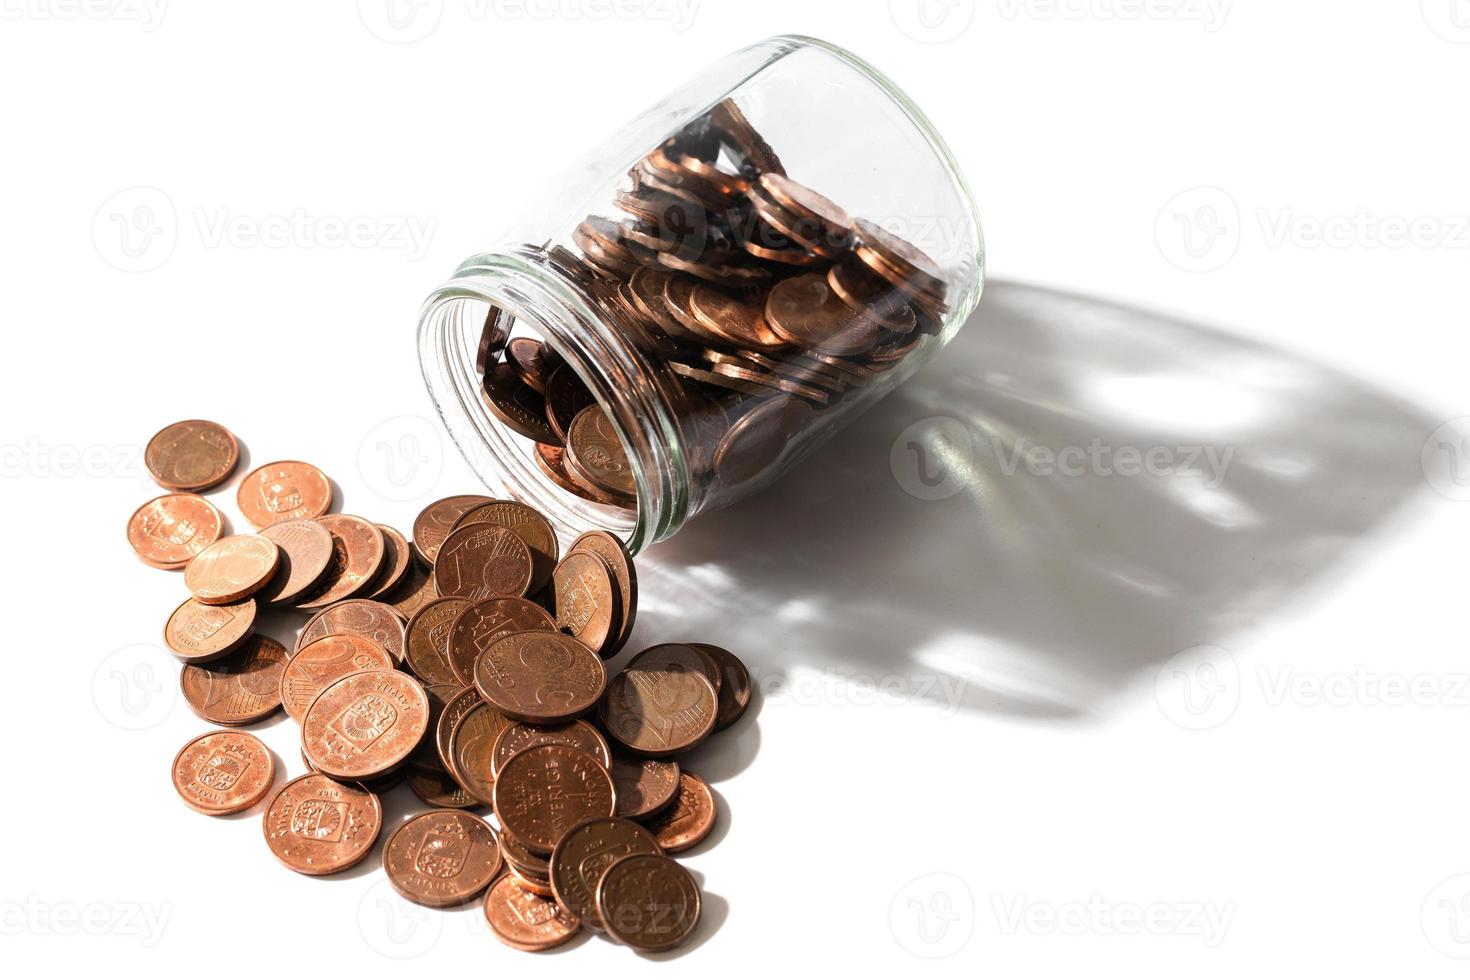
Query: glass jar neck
point(541, 296)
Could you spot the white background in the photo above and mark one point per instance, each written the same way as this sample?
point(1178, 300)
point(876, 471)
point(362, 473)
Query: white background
point(1059, 721)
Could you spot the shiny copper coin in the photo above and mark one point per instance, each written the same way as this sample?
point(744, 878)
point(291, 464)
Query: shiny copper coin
point(733, 320)
point(435, 522)
point(744, 139)
point(428, 640)
point(365, 724)
point(551, 461)
point(478, 561)
point(596, 454)
point(521, 407)
point(756, 443)
point(710, 378)
point(771, 382)
point(812, 210)
point(659, 710)
point(578, 734)
point(369, 618)
point(441, 858)
point(526, 921)
point(679, 656)
point(734, 690)
point(232, 569)
point(587, 604)
point(727, 274)
point(439, 789)
point(532, 360)
point(192, 456)
point(219, 773)
point(426, 753)
point(545, 790)
point(689, 820)
point(322, 663)
point(871, 297)
point(805, 311)
point(888, 254)
point(168, 531)
point(612, 551)
point(481, 624)
point(306, 556)
point(454, 709)
point(418, 588)
point(241, 689)
point(357, 557)
point(645, 786)
point(648, 902)
point(540, 677)
point(471, 746)
point(530, 525)
point(534, 869)
point(584, 854)
point(288, 490)
point(318, 826)
point(198, 633)
point(397, 555)
point(566, 395)
point(493, 338)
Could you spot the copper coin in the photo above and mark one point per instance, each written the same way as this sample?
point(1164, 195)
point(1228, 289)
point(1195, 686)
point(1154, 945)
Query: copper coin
point(365, 724)
point(645, 786)
point(357, 557)
point(530, 525)
point(745, 139)
point(198, 633)
point(596, 454)
point(532, 360)
point(566, 395)
point(426, 753)
point(544, 791)
point(689, 820)
point(625, 577)
point(734, 690)
point(323, 662)
point(470, 750)
point(306, 555)
point(288, 490)
point(435, 522)
point(439, 789)
point(441, 858)
point(454, 709)
point(483, 623)
point(913, 267)
point(812, 209)
point(534, 869)
point(168, 531)
point(478, 561)
point(659, 711)
point(710, 378)
point(241, 689)
point(521, 407)
point(578, 734)
point(428, 640)
point(397, 555)
point(869, 296)
point(756, 443)
point(680, 656)
point(587, 603)
point(526, 921)
point(771, 381)
point(551, 460)
point(805, 311)
point(369, 618)
point(584, 853)
point(193, 455)
point(318, 826)
point(733, 320)
point(649, 902)
point(540, 677)
point(493, 337)
point(219, 773)
point(232, 569)
point(647, 291)
point(418, 588)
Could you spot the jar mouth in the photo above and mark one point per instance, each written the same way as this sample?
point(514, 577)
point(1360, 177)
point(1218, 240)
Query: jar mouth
point(543, 300)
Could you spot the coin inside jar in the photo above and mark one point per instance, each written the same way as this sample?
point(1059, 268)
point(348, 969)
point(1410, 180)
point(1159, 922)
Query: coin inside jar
point(357, 557)
point(441, 858)
point(168, 531)
point(365, 724)
point(584, 854)
point(540, 677)
point(648, 902)
point(545, 790)
point(220, 773)
point(193, 455)
point(595, 454)
point(478, 561)
point(241, 689)
point(318, 826)
point(323, 662)
point(659, 710)
point(288, 490)
point(231, 569)
point(197, 633)
point(523, 920)
point(587, 604)
point(306, 555)
point(519, 735)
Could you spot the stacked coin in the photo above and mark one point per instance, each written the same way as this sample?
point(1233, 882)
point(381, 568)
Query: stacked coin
point(764, 303)
point(470, 663)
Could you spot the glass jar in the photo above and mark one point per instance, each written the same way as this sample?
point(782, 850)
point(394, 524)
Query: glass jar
point(706, 297)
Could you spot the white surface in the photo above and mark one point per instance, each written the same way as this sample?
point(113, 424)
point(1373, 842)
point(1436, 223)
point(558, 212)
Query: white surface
point(1049, 798)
